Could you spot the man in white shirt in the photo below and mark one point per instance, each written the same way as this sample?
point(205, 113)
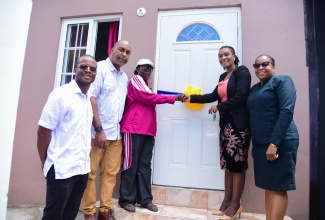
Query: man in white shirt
point(63, 142)
point(108, 98)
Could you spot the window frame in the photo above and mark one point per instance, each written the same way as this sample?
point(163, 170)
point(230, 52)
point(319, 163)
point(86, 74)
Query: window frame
point(91, 38)
point(201, 41)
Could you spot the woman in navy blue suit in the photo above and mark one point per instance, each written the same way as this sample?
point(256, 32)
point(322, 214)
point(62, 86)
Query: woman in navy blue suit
point(234, 140)
point(275, 136)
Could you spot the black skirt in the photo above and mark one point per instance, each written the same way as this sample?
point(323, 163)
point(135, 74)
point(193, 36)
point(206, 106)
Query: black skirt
point(234, 144)
point(277, 175)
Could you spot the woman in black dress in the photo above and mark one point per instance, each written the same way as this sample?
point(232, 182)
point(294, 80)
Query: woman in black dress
point(231, 92)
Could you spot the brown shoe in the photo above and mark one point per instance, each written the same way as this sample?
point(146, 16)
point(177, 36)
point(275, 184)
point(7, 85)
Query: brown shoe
point(129, 207)
point(150, 207)
point(89, 217)
point(106, 215)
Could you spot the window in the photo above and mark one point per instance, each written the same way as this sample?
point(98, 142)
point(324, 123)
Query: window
point(84, 36)
point(75, 46)
point(198, 32)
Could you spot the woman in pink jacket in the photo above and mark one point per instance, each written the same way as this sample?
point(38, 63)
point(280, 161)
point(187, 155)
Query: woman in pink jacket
point(139, 127)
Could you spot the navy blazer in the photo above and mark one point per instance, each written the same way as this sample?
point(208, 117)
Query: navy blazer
point(237, 92)
point(271, 107)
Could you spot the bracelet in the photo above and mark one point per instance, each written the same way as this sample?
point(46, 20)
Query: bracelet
point(273, 145)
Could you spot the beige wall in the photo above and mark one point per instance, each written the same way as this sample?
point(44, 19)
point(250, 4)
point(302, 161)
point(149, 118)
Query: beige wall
point(273, 27)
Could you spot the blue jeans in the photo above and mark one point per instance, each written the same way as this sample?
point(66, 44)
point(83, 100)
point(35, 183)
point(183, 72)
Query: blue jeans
point(63, 196)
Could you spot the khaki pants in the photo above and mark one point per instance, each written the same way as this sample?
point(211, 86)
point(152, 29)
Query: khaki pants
point(109, 161)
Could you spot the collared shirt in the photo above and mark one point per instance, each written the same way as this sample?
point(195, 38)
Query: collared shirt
point(68, 113)
point(109, 89)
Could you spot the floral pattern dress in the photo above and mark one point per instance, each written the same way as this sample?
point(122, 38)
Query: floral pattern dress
point(234, 144)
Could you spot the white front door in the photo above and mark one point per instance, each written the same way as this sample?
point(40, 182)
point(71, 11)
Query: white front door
point(187, 143)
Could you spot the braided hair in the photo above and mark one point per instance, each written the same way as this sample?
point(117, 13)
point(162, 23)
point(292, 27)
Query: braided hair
point(236, 62)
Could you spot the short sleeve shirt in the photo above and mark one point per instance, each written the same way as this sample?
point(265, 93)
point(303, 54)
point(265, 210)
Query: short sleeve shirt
point(68, 113)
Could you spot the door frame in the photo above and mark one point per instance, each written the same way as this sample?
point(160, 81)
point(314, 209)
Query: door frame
point(192, 11)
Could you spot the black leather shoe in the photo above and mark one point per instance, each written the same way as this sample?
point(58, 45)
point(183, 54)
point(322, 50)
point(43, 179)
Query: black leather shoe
point(129, 207)
point(150, 207)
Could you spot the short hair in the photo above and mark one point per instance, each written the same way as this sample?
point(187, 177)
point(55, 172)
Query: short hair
point(119, 42)
point(86, 55)
point(268, 56)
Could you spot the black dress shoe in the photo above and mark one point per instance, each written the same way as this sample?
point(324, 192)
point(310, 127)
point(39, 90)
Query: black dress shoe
point(150, 207)
point(129, 207)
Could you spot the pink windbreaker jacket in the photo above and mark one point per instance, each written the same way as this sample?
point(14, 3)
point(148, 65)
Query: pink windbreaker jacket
point(139, 115)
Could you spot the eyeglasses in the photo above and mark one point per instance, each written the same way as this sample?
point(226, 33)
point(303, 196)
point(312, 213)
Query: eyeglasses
point(264, 64)
point(85, 67)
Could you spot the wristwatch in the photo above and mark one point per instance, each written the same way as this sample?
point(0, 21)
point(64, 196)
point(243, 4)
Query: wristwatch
point(98, 128)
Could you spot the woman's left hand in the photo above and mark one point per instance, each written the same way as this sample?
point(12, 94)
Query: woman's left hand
point(271, 153)
point(213, 109)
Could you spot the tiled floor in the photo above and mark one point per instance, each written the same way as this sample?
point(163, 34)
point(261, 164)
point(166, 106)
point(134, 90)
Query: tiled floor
point(168, 212)
point(173, 204)
point(165, 212)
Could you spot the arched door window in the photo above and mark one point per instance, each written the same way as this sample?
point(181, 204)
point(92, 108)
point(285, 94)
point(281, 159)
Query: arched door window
point(198, 32)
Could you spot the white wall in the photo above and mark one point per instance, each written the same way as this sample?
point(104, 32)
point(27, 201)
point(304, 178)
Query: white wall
point(14, 23)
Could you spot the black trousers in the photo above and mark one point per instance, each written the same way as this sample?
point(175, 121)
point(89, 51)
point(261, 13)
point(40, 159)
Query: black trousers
point(136, 181)
point(63, 196)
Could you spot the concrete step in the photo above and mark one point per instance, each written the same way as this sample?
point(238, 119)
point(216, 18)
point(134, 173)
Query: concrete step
point(188, 198)
point(173, 204)
point(165, 212)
